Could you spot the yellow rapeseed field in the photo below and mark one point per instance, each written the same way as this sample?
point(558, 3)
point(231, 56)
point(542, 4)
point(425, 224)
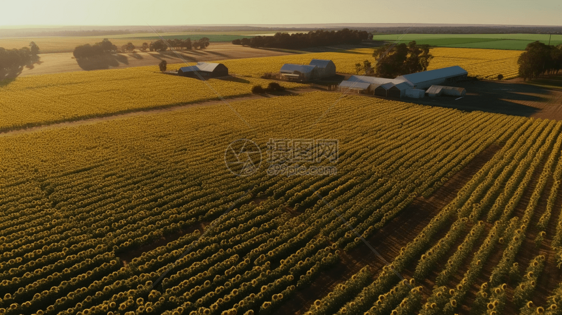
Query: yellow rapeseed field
point(67, 96)
point(482, 63)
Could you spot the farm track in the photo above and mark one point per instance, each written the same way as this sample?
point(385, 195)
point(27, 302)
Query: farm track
point(142, 112)
point(390, 239)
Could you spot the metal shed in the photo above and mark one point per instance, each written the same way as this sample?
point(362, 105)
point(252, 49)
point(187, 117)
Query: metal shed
point(204, 69)
point(373, 80)
point(415, 93)
point(382, 90)
point(298, 72)
point(354, 86)
point(398, 90)
point(325, 68)
point(425, 79)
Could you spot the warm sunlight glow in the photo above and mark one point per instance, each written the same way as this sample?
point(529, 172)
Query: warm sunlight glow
point(185, 12)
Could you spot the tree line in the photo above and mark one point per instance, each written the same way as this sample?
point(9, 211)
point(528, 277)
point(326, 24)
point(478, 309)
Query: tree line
point(468, 29)
point(304, 40)
point(540, 59)
point(88, 51)
point(12, 61)
point(396, 60)
point(178, 43)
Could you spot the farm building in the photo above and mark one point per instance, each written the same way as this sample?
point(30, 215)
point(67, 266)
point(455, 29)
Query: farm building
point(324, 68)
point(368, 84)
point(398, 90)
point(436, 90)
point(425, 79)
point(382, 89)
point(415, 93)
point(205, 69)
point(357, 87)
point(410, 85)
point(298, 72)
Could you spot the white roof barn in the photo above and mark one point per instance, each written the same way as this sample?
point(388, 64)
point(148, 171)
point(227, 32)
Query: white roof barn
point(373, 80)
point(369, 84)
point(425, 79)
point(402, 85)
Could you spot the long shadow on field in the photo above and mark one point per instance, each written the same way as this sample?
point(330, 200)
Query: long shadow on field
point(217, 53)
point(554, 81)
point(9, 75)
point(177, 57)
point(233, 79)
point(122, 58)
point(410, 221)
point(388, 241)
point(346, 49)
point(102, 62)
point(500, 97)
point(196, 52)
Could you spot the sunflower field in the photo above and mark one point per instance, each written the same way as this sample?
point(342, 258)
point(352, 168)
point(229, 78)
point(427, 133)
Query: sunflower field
point(142, 216)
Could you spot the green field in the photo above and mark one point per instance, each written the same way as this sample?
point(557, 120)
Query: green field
point(486, 41)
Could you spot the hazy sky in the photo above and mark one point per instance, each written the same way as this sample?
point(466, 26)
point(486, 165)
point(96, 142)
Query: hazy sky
point(185, 12)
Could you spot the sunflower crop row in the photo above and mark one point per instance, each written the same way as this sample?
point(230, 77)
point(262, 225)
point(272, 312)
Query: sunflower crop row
point(81, 206)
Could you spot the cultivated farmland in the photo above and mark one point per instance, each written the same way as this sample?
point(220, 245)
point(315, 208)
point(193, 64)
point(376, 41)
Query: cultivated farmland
point(69, 96)
point(481, 63)
point(57, 44)
point(484, 41)
point(123, 201)
point(94, 215)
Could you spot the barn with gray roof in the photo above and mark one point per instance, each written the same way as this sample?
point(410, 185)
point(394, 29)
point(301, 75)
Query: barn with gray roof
point(205, 70)
point(425, 79)
point(298, 72)
point(409, 85)
point(324, 68)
